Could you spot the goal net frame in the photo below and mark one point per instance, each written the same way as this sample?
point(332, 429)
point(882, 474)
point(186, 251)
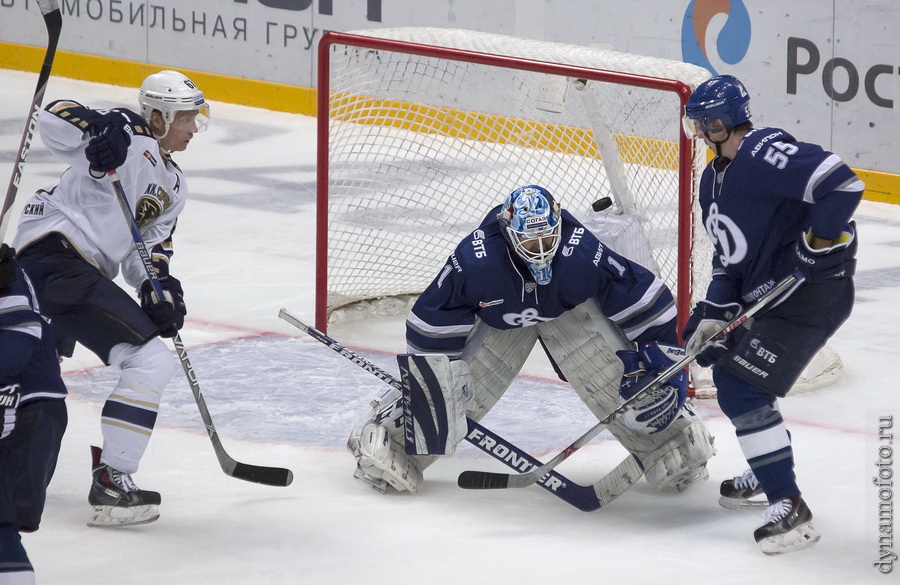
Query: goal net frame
point(688, 174)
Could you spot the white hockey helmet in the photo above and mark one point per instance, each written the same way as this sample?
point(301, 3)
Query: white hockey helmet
point(169, 92)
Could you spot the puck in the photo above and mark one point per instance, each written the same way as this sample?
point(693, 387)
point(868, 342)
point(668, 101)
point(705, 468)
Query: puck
point(602, 203)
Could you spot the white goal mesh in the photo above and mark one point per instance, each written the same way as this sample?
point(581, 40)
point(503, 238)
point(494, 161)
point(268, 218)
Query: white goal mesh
point(427, 129)
point(422, 131)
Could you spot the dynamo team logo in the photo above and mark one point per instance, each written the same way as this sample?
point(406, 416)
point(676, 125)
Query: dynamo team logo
point(732, 41)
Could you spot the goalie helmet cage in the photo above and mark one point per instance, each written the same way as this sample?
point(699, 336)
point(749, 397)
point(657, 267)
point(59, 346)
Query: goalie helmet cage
point(421, 131)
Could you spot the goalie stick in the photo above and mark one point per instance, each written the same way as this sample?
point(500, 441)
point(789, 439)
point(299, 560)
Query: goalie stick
point(53, 22)
point(585, 498)
point(275, 476)
point(489, 480)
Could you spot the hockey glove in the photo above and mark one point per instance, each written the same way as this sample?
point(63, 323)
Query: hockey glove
point(7, 266)
point(835, 261)
point(108, 149)
point(706, 320)
point(169, 313)
point(9, 401)
point(657, 410)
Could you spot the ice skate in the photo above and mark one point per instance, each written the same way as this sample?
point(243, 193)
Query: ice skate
point(742, 492)
point(117, 501)
point(787, 527)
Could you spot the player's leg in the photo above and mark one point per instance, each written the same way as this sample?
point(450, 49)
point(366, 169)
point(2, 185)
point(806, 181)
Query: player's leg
point(491, 360)
point(582, 343)
point(762, 365)
point(28, 459)
point(104, 318)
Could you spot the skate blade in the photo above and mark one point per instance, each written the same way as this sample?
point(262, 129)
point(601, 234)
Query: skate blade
point(799, 538)
point(117, 516)
point(741, 504)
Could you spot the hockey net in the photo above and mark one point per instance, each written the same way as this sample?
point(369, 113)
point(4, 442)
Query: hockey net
point(422, 131)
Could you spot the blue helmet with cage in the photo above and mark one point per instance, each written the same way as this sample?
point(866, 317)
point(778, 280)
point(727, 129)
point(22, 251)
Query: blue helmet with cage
point(531, 223)
point(723, 98)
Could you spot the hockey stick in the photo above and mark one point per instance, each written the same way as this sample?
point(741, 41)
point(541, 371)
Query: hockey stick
point(488, 480)
point(275, 476)
point(585, 498)
point(53, 22)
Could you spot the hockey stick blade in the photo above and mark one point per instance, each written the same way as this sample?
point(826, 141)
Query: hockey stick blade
point(53, 22)
point(482, 480)
point(274, 476)
point(476, 479)
point(585, 498)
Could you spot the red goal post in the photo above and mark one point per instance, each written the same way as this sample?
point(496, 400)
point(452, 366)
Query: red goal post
point(401, 110)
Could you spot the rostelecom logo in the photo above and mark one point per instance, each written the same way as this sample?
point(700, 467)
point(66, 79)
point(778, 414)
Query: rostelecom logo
point(732, 41)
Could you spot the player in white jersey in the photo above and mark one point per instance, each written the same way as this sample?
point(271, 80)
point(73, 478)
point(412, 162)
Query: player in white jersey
point(73, 240)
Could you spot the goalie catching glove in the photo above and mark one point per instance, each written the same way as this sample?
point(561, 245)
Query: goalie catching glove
point(657, 410)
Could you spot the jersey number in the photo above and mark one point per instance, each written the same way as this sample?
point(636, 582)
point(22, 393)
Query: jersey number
point(778, 154)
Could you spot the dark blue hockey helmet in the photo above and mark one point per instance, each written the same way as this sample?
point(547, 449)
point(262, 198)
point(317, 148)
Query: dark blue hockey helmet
point(531, 222)
point(722, 97)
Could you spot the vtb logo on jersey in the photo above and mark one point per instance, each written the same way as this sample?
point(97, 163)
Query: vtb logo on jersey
point(727, 237)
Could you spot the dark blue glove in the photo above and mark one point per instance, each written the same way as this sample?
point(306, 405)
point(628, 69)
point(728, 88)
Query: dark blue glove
point(657, 410)
point(108, 149)
point(836, 261)
point(168, 314)
point(706, 320)
point(7, 266)
point(9, 401)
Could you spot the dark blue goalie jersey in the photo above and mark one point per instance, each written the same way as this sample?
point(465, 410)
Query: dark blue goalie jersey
point(483, 279)
point(757, 207)
point(27, 345)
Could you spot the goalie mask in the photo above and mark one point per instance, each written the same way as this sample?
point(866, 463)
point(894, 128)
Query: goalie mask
point(531, 223)
point(170, 92)
point(717, 105)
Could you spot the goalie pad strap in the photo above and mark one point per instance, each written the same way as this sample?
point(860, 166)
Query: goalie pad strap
point(436, 393)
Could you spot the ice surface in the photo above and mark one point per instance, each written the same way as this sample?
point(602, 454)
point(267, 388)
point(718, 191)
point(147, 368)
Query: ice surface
point(244, 249)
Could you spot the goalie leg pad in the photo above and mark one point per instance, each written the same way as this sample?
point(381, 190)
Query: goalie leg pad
point(680, 459)
point(381, 458)
point(437, 393)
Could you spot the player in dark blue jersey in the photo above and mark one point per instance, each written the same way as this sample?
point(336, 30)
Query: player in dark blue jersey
point(532, 273)
point(32, 416)
point(772, 206)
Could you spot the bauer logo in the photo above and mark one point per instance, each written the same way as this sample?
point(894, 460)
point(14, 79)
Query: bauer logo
point(732, 40)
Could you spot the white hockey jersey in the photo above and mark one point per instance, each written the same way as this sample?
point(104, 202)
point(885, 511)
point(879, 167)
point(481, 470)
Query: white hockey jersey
point(86, 210)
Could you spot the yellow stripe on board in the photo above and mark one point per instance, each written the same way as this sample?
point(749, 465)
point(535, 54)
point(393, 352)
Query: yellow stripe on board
point(496, 129)
point(884, 187)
